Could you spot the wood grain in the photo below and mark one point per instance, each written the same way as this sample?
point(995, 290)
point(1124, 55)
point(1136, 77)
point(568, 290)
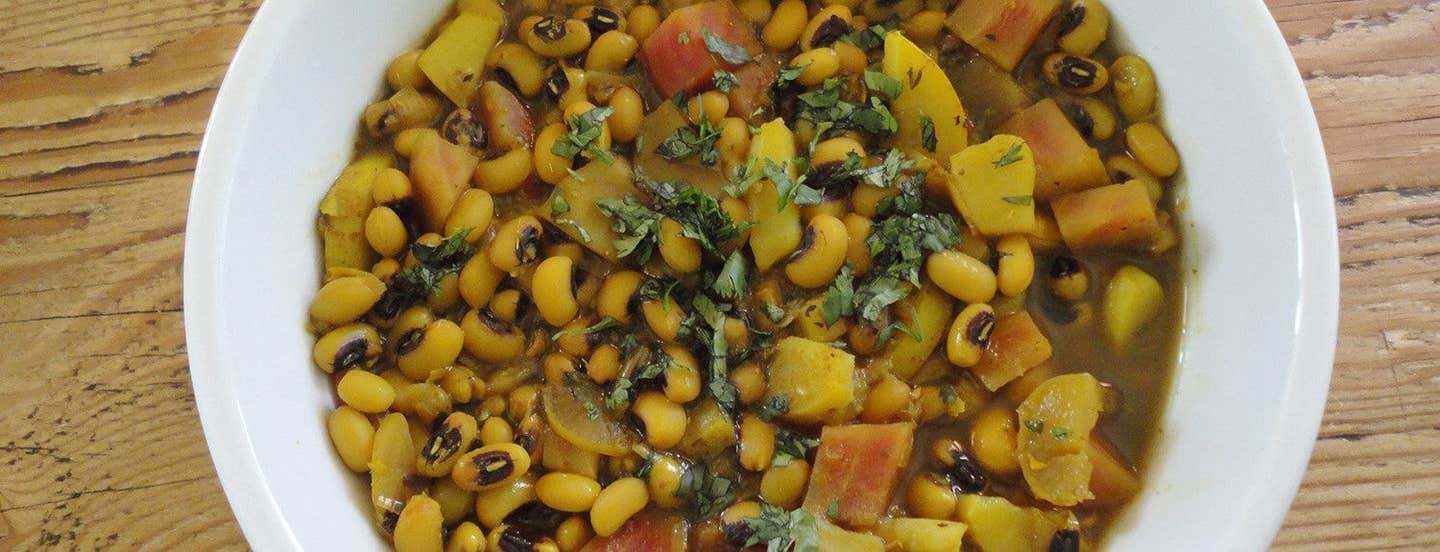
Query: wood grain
point(102, 104)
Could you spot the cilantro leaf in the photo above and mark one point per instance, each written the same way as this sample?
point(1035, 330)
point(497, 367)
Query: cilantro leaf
point(790, 445)
point(1019, 200)
point(774, 407)
point(637, 225)
point(727, 51)
point(898, 244)
point(584, 131)
point(1011, 157)
point(646, 366)
point(698, 213)
point(877, 293)
point(872, 37)
point(709, 493)
point(840, 297)
point(927, 133)
point(885, 85)
point(782, 530)
point(689, 141)
point(724, 80)
point(434, 262)
point(558, 204)
point(743, 178)
point(719, 385)
point(604, 324)
point(730, 282)
point(790, 189)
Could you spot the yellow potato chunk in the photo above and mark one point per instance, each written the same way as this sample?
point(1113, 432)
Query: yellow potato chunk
point(1055, 424)
point(343, 212)
point(925, 91)
point(922, 535)
point(1132, 299)
point(994, 186)
point(776, 232)
point(818, 379)
point(832, 537)
point(456, 58)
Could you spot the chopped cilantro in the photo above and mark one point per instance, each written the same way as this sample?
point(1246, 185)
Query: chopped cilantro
point(579, 228)
point(642, 368)
point(1011, 157)
point(774, 407)
point(793, 531)
point(743, 178)
point(823, 105)
point(840, 297)
point(730, 282)
point(833, 510)
point(709, 493)
point(790, 189)
point(698, 213)
point(727, 51)
point(723, 80)
point(773, 312)
point(948, 394)
point(1020, 200)
point(927, 133)
point(1034, 424)
point(898, 243)
point(885, 85)
point(689, 141)
point(638, 227)
point(872, 37)
point(584, 131)
point(604, 324)
point(1060, 433)
point(683, 38)
point(719, 385)
point(790, 445)
point(415, 284)
point(558, 204)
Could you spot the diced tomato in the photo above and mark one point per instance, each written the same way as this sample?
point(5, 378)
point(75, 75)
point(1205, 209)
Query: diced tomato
point(648, 531)
point(752, 87)
point(857, 468)
point(675, 54)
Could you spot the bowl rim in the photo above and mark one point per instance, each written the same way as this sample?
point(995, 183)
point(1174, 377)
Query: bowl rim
point(263, 524)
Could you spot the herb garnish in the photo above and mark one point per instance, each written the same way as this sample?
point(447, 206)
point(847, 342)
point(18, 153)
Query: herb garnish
point(790, 445)
point(823, 105)
point(872, 37)
point(727, 51)
point(584, 131)
point(698, 213)
point(883, 84)
point(415, 284)
point(927, 133)
point(689, 141)
point(724, 80)
point(637, 226)
point(1034, 424)
point(730, 282)
point(645, 367)
point(1011, 157)
point(709, 493)
point(793, 530)
point(774, 407)
point(1019, 200)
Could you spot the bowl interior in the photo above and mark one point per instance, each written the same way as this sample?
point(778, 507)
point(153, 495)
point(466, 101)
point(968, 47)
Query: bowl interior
point(1260, 309)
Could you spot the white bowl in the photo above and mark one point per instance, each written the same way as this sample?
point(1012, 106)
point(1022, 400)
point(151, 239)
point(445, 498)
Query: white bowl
point(1259, 233)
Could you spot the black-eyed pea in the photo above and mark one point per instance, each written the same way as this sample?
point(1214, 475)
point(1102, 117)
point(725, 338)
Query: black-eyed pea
point(604, 364)
point(516, 243)
point(507, 171)
point(992, 440)
point(836, 151)
point(880, 10)
point(385, 270)
point(346, 347)
point(924, 27)
point(572, 339)
point(466, 537)
point(757, 443)
point(491, 340)
point(385, 231)
point(1149, 145)
point(567, 492)
point(1135, 87)
point(404, 141)
point(784, 485)
point(490, 466)
point(420, 527)
point(495, 503)
point(664, 318)
point(1068, 279)
point(681, 375)
point(733, 145)
point(786, 24)
point(969, 335)
point(1123, 168)
point(749, 381)
point(478, 279)
point(857, 252)
point(737, 334)
point(446, 293)
point(365, 391)
point(962, 276)
point(818, 64)
point(827, 26)
point(617, 503)
point(573, 533)
point(611, 52)
point(523, 401)
point(624, 123)
point(821, 253)
point(347, 298)
point(1075, 74)
point(664, 480)
point(446, 443)
point(549, 166)
point(1016, 267)
point(865, 199)
point(662, 419)
point(474, 210)
point(1092, 118)
point(810, 322)
point(391, 186)
point(888, 401)
point(425, 402)
point(431, 348)
point(353, 436)
point(680, 252)
point(738, 515)
point(406, 109)
point(642, 20)
point(496, 430)
point(522, 65)
point(404, 71)
point(616, 295)
point(1083, 27)
point(556, 366)
point(554, 36)
point(711, 106)
point(755, 11)
point(553, 290)
point(600, 19)
point(853, 60)
point(462, 383)
point(930, 496)
point(509, 305)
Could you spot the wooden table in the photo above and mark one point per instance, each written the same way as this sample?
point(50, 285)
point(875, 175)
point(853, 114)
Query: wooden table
point(102, 106)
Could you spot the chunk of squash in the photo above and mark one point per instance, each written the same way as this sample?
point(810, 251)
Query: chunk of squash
point(343, 212)
point(857, 468)
point(1132, 298)
point(780, 228)
point(1002, 30)
point(708, 432)
point(833, 537)
point(818, 379)
point(903, 354)
point(925, 91)
point(455, 60)
point(594, 181)
point(1016, 346)
point(922, 535)
point(990, 94)
point(1055, 424)
point(1117, 215)
point(1111, 479)
point(1064, 162)
point(440, 172)
point(994, 186)
point(648, 531)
